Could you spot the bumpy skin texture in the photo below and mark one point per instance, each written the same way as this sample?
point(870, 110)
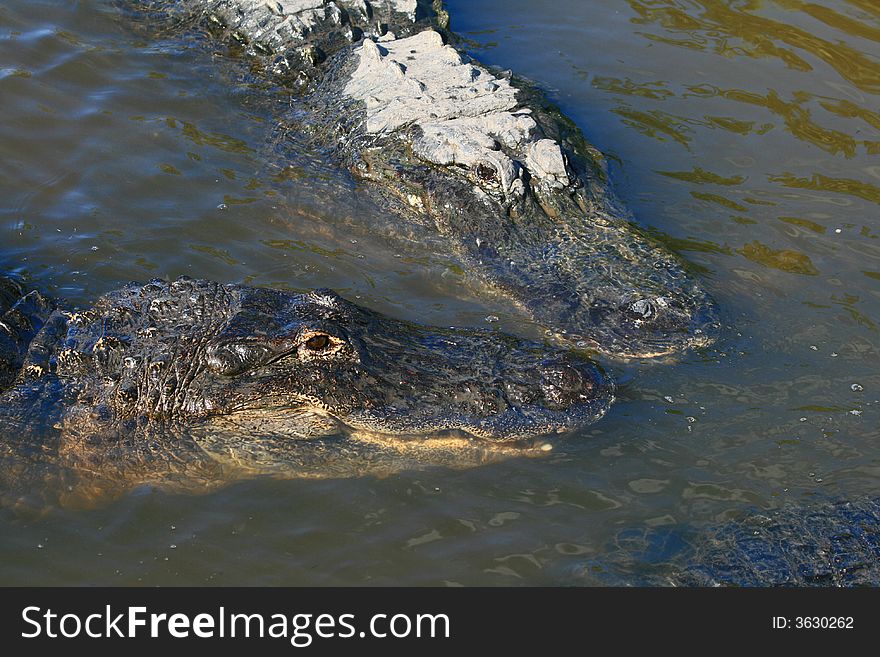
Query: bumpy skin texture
point(477, 159)
point(829, 544)
point(155, 378)
point(817, 543)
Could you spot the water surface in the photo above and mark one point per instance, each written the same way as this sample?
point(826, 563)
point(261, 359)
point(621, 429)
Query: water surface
point(744, 134)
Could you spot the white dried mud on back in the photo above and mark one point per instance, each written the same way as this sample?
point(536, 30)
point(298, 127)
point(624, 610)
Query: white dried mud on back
point(467, 115)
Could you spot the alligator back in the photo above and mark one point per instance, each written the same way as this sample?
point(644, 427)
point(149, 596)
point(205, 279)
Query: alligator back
point(21, 318)
point(10, 292)
point(816, 543)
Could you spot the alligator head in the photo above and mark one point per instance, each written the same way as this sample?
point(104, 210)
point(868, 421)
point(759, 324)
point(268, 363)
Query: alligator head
point(269, 379)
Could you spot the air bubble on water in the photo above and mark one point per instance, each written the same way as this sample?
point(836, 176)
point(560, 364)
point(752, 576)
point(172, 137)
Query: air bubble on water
point(855, 387)
point(691, 419)
point(814, 347)
point(803, 419)
point(491, 318)
point(838, 230)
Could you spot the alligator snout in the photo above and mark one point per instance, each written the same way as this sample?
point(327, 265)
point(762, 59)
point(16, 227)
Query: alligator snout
point(650, 326)
point(557, 393)
point(320, 354)
point(567, 381)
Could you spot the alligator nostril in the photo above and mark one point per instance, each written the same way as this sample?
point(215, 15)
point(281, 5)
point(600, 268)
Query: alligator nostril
point(569, 378)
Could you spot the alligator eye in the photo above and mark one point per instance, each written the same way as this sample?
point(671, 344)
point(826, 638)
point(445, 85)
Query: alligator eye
point(641, 309)
point(317, 342)
point(486, 173)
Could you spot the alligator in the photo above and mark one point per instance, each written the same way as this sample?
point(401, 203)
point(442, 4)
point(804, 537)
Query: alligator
point(816, 542)
point(190, 383)
point(468, 162)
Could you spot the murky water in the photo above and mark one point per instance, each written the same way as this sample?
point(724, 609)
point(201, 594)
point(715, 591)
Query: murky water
point(745, 133)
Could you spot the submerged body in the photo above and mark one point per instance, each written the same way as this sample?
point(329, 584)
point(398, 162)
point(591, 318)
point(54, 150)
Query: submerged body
point(816, 542)
point(165, 381)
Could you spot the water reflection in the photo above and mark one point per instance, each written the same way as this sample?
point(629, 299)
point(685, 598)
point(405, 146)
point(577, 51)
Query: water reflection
point(785, 31)
point(735, 29)
point(820, 182)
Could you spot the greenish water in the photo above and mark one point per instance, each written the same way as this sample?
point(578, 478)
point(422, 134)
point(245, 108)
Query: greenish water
point(746, 134)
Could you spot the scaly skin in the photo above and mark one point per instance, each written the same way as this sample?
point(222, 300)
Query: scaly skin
point(193, 381)
point(817, 542)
